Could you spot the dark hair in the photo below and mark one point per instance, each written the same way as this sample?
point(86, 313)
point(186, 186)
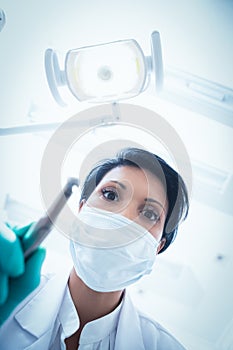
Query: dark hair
point(176, 190)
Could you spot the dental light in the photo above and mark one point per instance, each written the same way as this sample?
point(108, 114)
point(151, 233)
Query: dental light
point(106, 72)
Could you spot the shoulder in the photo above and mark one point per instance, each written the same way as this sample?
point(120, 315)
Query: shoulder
point(42, 304)
point(50, 281)
point(156, 336)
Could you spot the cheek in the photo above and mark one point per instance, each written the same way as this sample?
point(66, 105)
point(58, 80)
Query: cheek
point(157, 230)
point(94, 200)
point(157, 234)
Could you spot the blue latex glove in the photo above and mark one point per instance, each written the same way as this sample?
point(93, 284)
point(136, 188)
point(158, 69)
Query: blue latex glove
point(18, 278)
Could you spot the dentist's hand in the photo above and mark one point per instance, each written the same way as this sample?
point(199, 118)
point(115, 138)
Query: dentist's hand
point(18, 278)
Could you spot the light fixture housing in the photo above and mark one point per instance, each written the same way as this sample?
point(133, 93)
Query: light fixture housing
point(106, 72)
point(2, 19)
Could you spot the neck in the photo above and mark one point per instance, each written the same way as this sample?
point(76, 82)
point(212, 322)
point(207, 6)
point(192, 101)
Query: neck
point(90, 304)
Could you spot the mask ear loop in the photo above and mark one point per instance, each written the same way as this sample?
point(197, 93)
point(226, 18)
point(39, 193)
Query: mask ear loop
point(55, 76)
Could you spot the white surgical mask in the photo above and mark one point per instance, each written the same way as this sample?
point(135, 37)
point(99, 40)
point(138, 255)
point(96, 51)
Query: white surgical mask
point(109, 251)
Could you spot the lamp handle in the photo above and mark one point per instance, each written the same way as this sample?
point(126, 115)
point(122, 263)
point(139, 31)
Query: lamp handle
point(54, 75)
point(157, 60)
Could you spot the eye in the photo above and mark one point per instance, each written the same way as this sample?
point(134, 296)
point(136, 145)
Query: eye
point(150, 214)
point(110, 194)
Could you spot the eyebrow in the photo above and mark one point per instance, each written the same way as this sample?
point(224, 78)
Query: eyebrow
point(152, 200)
point(119, 183)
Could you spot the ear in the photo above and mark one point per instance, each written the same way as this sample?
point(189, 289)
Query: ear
point(83, 201)
point(161, 245)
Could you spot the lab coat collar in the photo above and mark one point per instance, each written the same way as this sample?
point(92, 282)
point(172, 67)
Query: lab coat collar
point(43, 304)
point(129, 334)
point(100, 328)
point(68, 316)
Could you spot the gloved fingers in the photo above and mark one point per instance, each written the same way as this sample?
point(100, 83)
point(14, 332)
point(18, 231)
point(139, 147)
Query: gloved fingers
point(33, 268)
point(23, 285)
point(35, 260)
point(3, 287)
point(20, 231)
point(11, 257)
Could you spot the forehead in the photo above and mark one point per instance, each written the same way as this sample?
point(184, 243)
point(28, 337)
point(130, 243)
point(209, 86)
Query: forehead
point(137, 179)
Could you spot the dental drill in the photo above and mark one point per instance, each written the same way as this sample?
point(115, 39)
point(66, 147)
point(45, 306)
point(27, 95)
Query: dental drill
point(40, 230)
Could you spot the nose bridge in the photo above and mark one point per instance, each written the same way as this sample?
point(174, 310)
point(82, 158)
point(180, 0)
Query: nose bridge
point(129, 211)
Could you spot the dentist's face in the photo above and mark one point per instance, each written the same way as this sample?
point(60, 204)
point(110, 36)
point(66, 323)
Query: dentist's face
point(134, 193)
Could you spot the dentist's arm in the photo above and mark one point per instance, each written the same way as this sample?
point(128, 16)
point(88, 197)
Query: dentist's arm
point(18, 277)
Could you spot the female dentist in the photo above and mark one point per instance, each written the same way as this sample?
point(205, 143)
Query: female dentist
point(138, 201)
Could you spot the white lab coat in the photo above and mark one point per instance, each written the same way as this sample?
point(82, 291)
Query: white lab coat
point(30, 326)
